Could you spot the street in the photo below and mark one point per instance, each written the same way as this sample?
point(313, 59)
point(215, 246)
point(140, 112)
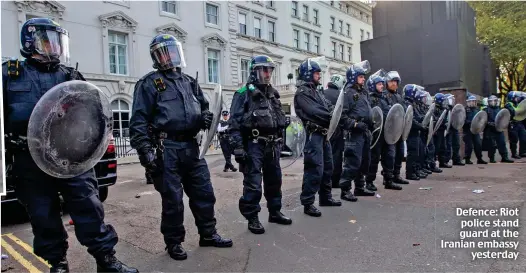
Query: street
point(396, 231)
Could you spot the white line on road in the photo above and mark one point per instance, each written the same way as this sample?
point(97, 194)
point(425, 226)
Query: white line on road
point(125, 181)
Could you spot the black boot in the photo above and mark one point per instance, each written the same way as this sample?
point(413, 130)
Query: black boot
point(421, 174)
point(492, 160)
point(398, 180)
point(516, 156)
point(428, 171)
point(278, 218)
point(481, 161)
point(389, 185)
point(232, 168)
point(362, 191)
point(177, 252)
point(61, 266)
point(458, 163)
point(370, 186)
point(445, 165)
point(255, 226)
point(468, 161)
point(412, 176)
point(311, 210)
point(215, 240)
point(109, 263)
point(506, 160)
point(522, 155)
point(330, 203)
point(435, 169)
point(348, 196)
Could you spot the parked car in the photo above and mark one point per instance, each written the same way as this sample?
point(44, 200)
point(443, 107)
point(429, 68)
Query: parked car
point(105, 171)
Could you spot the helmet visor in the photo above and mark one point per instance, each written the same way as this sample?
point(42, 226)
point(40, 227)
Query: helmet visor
point(451, 100)
point(52, 44)
point(264, 74)
point(362, 67)
point(492, 102)
point(168, 55)
point(471, 103)
point(392, 76)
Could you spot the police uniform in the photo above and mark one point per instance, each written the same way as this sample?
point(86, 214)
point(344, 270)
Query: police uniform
point(429, 158)
point(516, 132)
point(413, 168)
point(452, 141)
point(224, 141)
point(439, 138)
point(471, 141)
point(495, 138)
point(172, 103)
point(24, 83)
point(394, 98)
point(337, 141)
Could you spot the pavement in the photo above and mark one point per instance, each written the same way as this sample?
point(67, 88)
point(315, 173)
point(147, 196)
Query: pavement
point(396, 231)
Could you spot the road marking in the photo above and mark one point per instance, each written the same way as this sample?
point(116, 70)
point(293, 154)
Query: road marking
point(125, 181)
point(19, 258)
point(25, 246)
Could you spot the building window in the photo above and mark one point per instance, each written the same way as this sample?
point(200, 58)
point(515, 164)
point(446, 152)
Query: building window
point(121, 118)
point(213, 66)
point(242, 23)
point(316, 44)
point(361, 34)
point(212, 14)
point(305, 13)
point(340, 27)
point(244, 70)
point(271, 4)
point(332, 3)
point(295, 8)
point(339, 6)
point(271, 31)
point(332, 23)
point(361, 14)
point(257, 27)
point(118, 43)
point(296, 38)
point(333, 49)
point(316, 22)
point(341, 52)
point(275, 76)
point(367, 18)
point(307, 41)
point(368, 35)
point(349, 53)
point(348, 30)
point(30, 16)
point(346, 8)
point(169, 6)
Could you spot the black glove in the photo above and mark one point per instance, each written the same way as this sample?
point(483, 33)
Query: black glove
point(206, 119)
point(240, 155)
point(147, 158)
point(361, 126)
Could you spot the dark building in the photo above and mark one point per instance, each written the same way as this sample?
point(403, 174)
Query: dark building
point(432, 44)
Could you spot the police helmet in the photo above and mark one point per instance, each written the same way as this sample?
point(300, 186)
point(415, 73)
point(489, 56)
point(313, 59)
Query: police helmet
point(492, 101)
point(338, 81)
point(393, 76)
point(374, 79)
point(413, 91)
point(224, 113)
point(440, 100)
point(512, 95)
point(450, 98)
point(471, 101)
point(166, 52)
point(356, 70)
point(307, 69)
point(261, 68)
point(46, 38)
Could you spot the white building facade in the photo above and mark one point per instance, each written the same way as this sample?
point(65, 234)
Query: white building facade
point(110, 39)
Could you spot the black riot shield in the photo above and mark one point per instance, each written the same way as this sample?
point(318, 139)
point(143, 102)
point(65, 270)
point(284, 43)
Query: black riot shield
point(70, 129)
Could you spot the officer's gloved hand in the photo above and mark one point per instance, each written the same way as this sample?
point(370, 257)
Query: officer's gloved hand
point(240, 155)
point(147, 158)
point(361, 126)
point(206, 119)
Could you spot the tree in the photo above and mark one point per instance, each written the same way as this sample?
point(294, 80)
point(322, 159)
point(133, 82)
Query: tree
point(502, 26)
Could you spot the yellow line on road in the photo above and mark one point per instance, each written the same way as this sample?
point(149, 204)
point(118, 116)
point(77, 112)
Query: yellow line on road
point(27, 247)
point(19, 258)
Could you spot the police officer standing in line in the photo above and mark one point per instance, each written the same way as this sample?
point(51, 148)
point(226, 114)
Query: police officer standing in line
point(414, 148)
point(337, 142)
point(472, 141)
point(172, 103)
point(382, 150)
point(452, 137)
point(495, 138)
point(428, 163)
point(256, 127)
point(438, 137)
point(516, 130)
point(224, 141)
point(393, 81)
point(314, 111)
point(356, 120)
point(45, 45)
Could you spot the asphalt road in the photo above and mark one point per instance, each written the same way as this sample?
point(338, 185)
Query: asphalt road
point(397, 231)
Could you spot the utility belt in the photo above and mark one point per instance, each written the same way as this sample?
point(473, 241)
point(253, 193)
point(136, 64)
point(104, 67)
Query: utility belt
point(312, 127)
point(177, 137)
point(256, 137)
point(16, 143)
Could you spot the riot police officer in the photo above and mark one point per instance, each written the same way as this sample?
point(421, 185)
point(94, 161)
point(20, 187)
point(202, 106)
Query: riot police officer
point(428, 163)
point(494, 138)
point(356, 119)
point(337, 82)
point(315, 113)
point(382, 150)
point(472, 141)
point(393, 81)
point(172, 103)
point(224, 141)
point(452, 138)
point(413, 168)
point(45, 47)
point(256, 126)
point(516, 130)
point(438, 137)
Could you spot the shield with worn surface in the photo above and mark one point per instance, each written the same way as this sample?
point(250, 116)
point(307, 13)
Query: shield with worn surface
point(479, 122)
point(378, 122)
point(215, 106)
point(408, 122)
point(502, 120)
point(430, 131)
point(440, 120)
point(394, 124)
point(336, 115)
point(458, 116)
point(448, 124)
point(428, 115)
point(70, 129)
point(295, 137)
point(520, 111)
